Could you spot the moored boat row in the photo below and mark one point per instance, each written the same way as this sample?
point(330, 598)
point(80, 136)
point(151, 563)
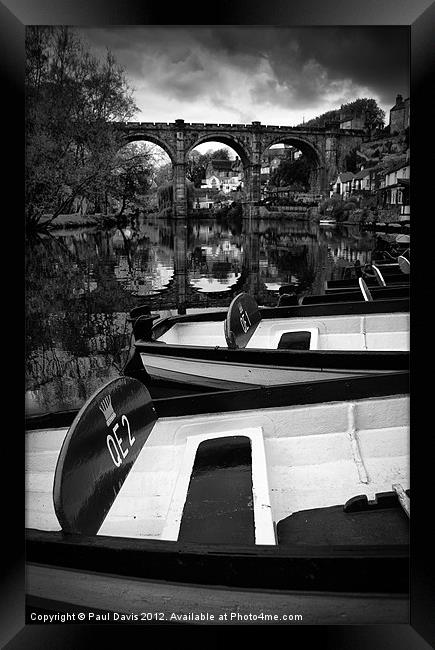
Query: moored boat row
point(245, 460)
point(250, 495)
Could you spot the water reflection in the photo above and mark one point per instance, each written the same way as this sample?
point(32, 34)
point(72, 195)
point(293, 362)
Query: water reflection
point(82, 284)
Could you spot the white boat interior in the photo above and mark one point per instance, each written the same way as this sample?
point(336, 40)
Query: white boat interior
point(388, 331)
point(303, 457)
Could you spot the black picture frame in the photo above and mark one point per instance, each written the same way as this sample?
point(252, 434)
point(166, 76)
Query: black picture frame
point(420, 17)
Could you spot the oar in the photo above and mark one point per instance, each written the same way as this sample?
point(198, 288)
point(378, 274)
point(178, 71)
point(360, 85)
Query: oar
point(98, 452)
point(379, 276)
point(403, 498)
point(404, 263)
point(241, 322)
point(365, 290)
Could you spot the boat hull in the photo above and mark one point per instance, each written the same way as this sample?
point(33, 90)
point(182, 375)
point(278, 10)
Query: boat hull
point(302, 437)
point(227, 587)
point(225, 374)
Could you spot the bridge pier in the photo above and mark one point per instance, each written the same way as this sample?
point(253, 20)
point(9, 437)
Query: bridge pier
point(179, 176)
point(319, 181)
point(254, 168)
point(180, 264)
point(253, 193)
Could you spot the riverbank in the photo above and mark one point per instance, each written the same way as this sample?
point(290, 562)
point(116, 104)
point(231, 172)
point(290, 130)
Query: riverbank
point(75, 220)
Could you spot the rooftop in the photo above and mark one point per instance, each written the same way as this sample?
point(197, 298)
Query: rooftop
point(361, 174)
point(345, 176)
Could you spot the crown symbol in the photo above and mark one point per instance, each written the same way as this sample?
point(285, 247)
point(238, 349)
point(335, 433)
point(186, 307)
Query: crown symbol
point(107, 410)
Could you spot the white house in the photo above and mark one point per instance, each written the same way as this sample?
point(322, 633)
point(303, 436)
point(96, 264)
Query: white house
point(395, 187)
point(361, 181)
point(342, 186)
point(223, 175)
point(212, 182)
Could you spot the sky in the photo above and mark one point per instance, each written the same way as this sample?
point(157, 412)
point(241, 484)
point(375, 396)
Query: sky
point(275, 75)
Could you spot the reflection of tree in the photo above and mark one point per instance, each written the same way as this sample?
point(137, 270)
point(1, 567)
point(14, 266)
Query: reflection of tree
point(231, 218)
point(294, 262)
point(75, 315)
point(221, 270)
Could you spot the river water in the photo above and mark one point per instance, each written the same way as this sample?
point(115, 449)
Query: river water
point(81, 285)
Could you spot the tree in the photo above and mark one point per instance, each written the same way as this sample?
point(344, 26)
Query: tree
point(351, 161)
point(196, 167)
point(133, 175)
point(72, 101)
point(374, 115)
point(292, 172)
point(218, 154)
point(163, 174)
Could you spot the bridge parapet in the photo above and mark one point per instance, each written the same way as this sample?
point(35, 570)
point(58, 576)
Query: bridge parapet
point(242, 127)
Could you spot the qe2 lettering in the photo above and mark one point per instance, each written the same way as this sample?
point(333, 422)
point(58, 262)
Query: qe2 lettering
point(243, 316)
point(114, 442)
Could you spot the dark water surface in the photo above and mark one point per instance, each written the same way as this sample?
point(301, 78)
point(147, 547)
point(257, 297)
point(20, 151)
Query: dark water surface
point(81, 285)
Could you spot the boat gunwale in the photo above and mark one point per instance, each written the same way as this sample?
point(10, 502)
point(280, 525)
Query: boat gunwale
point(313, 359)
point(394, 288)
point(35, 535)
point(343, 569)
point(393, 280)
point(254, 397)
point(361, 307)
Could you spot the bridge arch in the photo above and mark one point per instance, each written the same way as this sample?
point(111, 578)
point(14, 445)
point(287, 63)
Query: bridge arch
point(229, 140)
point(308, 148)
point(145, 137)
point(304, 145)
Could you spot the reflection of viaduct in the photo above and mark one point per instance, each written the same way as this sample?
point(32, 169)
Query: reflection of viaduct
point(326, 148)
point(180, 293)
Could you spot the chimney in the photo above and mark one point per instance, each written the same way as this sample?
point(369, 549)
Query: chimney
point(399, 99)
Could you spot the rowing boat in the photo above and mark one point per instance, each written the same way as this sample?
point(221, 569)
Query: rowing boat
point(397, 280)
point(356, 270)
point(247, 342)
point(383, 325)
point(345, 295)
point(260, 497)
point(387, 275)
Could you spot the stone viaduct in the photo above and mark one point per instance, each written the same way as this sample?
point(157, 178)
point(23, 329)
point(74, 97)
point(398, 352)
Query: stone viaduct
point(325, 147)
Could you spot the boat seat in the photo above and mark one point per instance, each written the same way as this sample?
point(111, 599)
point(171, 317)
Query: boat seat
point(357, 523)
point(287, 289)
point(287, 300)
point(219, 502)
point(295, 341)
point(278, 335)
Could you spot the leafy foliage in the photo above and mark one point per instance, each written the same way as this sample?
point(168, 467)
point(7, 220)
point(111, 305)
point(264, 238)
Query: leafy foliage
point(351, 161)
point(133, 175)
point(72, 101)
point(374, 115)
point(295, 173)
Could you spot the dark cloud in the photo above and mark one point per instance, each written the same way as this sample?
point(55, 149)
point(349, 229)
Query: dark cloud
point(376, 57)
point(252, 70)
